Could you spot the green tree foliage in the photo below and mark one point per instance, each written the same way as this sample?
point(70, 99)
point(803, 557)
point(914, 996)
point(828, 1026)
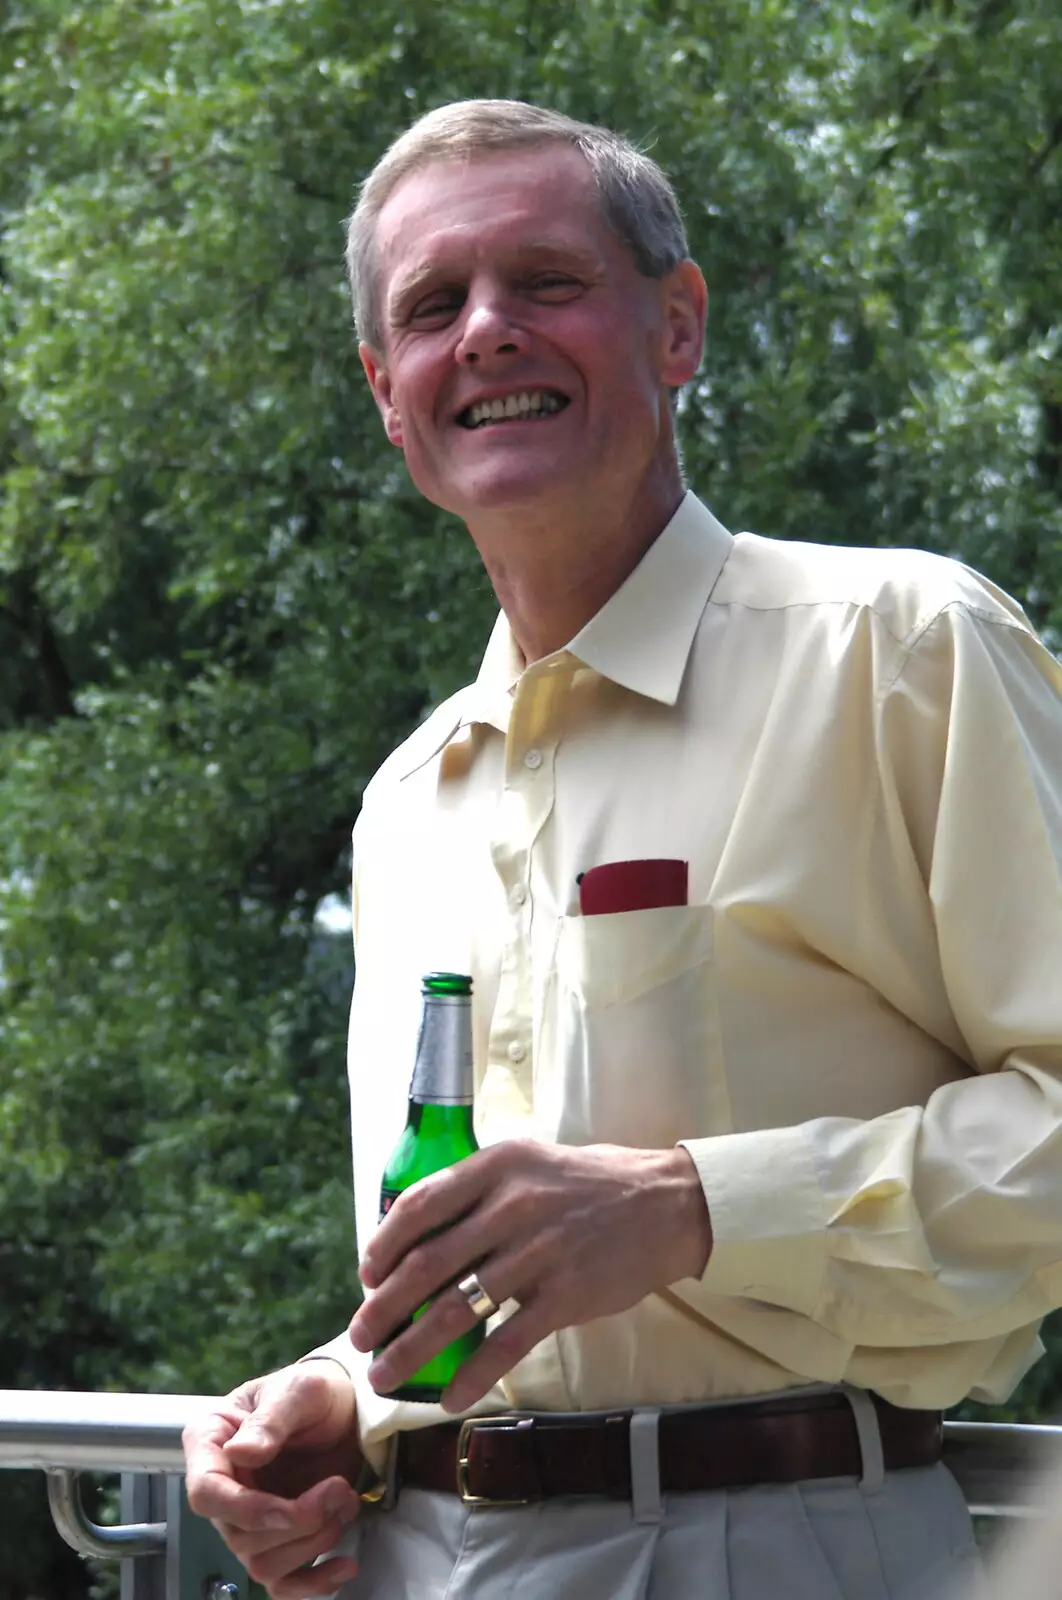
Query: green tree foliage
point(221, 602)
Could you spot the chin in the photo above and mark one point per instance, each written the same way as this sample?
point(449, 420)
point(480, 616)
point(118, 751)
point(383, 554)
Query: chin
point(510, 486)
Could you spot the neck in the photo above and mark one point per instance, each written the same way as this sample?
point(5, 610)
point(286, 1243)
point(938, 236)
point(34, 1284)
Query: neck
point(554, 567)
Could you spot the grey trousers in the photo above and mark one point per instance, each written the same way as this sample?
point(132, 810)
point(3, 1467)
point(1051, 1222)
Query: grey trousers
point(908, 1538)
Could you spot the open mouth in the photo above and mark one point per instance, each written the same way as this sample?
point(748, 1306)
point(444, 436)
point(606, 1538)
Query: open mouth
point(524, 405)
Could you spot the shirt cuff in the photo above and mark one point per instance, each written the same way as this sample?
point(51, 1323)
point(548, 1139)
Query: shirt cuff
point(768, 1216)
point(339, 1349)
point(380, 1415)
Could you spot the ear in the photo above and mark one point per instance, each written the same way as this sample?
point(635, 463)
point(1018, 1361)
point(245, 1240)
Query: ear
point(685, 307)
point(380, 384)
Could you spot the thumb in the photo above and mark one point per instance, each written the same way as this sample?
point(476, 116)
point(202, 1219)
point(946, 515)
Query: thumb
point(260, 1437)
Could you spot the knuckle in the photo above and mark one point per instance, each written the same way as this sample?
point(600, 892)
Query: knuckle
point(412, 1204)
point(523, 1208)
point(524, 1151)
point(259, 1567)
point(509, 1341)
point(456, 1312)
point(266, 1566)
point(242, 1400)
point(417, 1264)
point(305, 1381)
point(498, 1160)
point(196, 1498)
point(240, 1547)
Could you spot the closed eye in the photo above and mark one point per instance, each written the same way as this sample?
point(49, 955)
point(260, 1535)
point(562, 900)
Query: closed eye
point(555, 285)
point(437, 308)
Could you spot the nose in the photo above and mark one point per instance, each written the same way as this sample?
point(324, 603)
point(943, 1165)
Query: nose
point(489, 331)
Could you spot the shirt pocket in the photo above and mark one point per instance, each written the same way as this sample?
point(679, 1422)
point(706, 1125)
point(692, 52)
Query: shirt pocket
point(629, 1051)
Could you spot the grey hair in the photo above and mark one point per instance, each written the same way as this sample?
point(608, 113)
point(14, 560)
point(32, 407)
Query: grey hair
point(637, 200)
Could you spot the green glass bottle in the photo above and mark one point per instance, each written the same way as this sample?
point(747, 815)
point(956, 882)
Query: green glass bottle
point(437, 1133)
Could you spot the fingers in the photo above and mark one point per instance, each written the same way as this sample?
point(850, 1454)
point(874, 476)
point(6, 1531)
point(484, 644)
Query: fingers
point(279, 1551)
point(503, 1347)
point(226, 1502)
point(434, 1203)
point(214, 1489)
point(429, 1268)
point(295, 1428)
point(519, 1275)
point(570, 1234)
point(309, 1583)
point(302, 1419)
point(309, 1402)
point(447, 1319)
point(270, 1557)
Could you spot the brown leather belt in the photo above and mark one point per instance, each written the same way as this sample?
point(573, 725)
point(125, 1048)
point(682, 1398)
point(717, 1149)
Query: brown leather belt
point(509, 1460)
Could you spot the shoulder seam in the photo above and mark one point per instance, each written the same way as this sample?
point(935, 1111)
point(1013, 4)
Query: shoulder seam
point(910, 643)
point(810, 605)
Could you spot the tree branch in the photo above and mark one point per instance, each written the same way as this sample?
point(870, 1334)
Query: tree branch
point(34, 624)
point(1047, 149)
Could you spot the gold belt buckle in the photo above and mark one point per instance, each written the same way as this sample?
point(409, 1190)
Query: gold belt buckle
point(468, 1428)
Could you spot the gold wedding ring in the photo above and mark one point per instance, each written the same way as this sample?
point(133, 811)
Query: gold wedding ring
point(479, 1301)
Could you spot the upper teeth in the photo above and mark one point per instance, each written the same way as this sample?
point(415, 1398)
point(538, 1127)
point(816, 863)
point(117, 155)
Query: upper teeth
point(514, 405)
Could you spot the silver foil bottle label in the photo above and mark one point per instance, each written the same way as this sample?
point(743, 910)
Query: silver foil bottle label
point(442, 1071)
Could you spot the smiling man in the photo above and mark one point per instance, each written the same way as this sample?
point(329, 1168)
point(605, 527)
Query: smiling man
point(769, 1172)
point(523, 364)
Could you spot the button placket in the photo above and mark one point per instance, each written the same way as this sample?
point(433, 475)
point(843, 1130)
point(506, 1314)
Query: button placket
point(522, 813)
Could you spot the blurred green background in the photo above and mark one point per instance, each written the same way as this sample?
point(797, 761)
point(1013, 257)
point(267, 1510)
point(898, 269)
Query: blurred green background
point(221, 602)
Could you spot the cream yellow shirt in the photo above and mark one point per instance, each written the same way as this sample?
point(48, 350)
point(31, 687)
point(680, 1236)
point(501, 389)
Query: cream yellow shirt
point(855, 1026)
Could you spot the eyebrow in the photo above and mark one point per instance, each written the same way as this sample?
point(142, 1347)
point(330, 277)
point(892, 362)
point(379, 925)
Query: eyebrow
point(407, 289)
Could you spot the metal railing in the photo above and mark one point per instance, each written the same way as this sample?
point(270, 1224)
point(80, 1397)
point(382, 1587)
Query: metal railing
point(169, 1554)
point(166, 1552)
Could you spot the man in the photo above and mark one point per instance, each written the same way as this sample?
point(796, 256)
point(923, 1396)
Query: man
point(750, 1160)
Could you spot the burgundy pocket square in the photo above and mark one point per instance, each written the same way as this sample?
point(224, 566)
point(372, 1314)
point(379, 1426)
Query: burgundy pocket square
point(633, 886)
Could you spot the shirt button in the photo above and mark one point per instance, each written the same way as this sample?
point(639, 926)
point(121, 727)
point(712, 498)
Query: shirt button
point(518, 897)
point(533, 759)
point(516, 1051)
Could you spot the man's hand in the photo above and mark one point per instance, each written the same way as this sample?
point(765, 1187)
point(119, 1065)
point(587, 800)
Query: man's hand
point(272, 1469)
point(570, 1234)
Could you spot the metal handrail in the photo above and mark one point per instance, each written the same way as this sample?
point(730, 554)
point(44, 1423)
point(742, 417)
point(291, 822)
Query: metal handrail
point(137, 1436)
point(65, 1432)
point(96, 1432)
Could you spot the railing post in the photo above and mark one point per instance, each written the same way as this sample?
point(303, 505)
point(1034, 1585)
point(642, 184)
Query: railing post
point(143, 1499)
point(195, 1565)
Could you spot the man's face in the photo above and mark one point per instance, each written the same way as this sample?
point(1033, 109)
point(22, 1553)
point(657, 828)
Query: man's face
point(502, 289)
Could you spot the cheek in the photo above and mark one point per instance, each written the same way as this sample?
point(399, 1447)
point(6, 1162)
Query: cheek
point(416, 398)
point(617, 364)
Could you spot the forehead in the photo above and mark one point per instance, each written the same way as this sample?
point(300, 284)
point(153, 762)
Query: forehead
point(475, 208)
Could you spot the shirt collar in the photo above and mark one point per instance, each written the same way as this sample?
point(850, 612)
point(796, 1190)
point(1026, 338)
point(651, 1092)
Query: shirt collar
point(642, 636)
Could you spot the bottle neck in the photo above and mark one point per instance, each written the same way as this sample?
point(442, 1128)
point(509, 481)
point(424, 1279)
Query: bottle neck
point(442, 1072)
point(441, 1122)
